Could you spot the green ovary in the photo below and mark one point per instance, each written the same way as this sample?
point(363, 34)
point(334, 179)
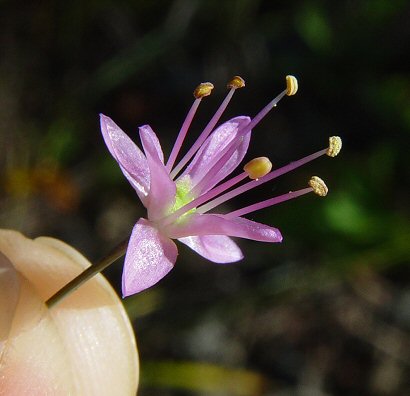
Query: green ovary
point(182, 196)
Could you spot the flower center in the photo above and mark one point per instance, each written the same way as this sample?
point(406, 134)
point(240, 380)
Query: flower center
point(183, 196)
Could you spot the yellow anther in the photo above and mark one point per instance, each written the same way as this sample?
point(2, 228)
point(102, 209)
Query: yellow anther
point(258, 167)
point(335, 145)
point(236, 82)
point(203, 89)
point(291, 85)
point(318, 186)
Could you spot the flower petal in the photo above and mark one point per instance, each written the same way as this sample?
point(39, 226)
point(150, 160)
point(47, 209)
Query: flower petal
point(161, 196)
point(212, 150)
point(131, 159)
point(152, 141)
point(217, 248)
point(213, 224)
point(150, 256)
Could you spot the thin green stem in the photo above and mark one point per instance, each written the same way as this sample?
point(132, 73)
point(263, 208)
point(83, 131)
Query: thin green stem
point(87, 274)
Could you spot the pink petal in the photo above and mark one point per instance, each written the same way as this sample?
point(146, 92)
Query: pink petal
point(217, 248)
point(130, 158)
point(213, 224)
point(212, 149)
point(161, 196)
point(150, 256)
point(152, 140)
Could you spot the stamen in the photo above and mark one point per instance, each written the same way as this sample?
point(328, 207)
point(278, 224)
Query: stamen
point(291, 89)
point(291, 85)
point(258, 167)
point(234, 84)
point(202, 90)
point(268, 202)
point(318, 186)
point(335, 145)
point(235, 144)
point(254, 183)
point(254, 169)
point(245, 130)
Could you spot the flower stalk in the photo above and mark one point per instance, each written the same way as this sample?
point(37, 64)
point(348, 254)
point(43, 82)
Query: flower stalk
point(88, 273)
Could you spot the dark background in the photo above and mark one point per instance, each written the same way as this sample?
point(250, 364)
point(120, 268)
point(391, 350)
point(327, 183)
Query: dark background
point(327, 312)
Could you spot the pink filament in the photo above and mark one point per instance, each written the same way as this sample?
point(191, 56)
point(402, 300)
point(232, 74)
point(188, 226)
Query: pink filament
point(230, 149)
point(208, 129)
point(205, 133)
point(257, 119)
point(182, 133)
point(268, 202)
point(224, 157)
point(254, 183)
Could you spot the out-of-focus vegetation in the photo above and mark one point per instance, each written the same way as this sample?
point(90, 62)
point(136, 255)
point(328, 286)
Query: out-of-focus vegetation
point(327, 312)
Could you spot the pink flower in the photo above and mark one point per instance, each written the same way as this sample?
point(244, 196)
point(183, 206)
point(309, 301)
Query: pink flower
point(178, 200)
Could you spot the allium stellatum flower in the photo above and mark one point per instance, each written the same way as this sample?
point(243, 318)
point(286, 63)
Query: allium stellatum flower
point(178, 198)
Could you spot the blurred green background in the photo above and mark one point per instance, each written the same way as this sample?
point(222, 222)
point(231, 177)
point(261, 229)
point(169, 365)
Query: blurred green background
point(327, 312)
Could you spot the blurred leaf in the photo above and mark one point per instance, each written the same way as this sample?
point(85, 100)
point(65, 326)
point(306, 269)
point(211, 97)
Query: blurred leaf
point(143, 304)
point(61, 141)
point(394, 251)
point(382, 161)
point(346, 215)
point(313, 27)
point(202, 377)
point(145, 50)
point(390, 99)
point(379, 10)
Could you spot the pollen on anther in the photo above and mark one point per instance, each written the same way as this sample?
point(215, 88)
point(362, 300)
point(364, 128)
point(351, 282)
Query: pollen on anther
point(203, 89)
point(318, 186)
point(236, 82)
point(291, 85)
point(258, 167)
point(335, 145)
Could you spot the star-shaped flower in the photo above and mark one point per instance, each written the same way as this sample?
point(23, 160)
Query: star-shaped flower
point(178, 200)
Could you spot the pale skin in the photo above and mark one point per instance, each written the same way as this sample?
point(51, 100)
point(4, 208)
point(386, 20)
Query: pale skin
point(62, 350)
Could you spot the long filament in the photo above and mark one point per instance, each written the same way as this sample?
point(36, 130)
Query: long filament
point(268, 202)
point(254, 183)
point(205, 133)
point(182, 134)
